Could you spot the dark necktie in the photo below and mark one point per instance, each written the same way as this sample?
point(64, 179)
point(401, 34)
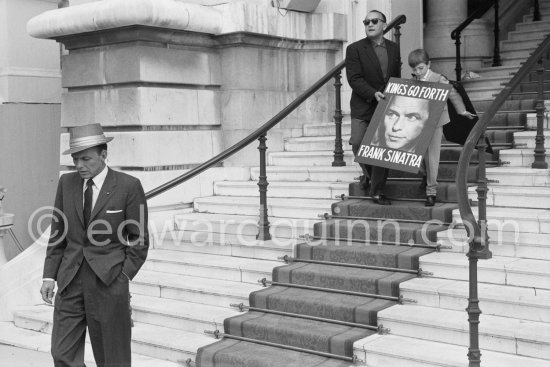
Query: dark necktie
point(88, 198)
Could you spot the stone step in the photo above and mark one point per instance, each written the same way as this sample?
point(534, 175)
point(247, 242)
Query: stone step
point(206, 291)
point(237, 245)
point(532, 122)
point(314, 143)
point(502, 243)
point(516, 52)
point(150, 340)
point(518, 94)
point(520, 157)
point(508, 105)
point(532, 86)
point(496, 333)
point(398, 351)
point(482, 93)
point(237, 269)
point(509, 58)
point(518, 220)
point(498, 270)
point(167, 343)
point(544, 12)
point(246, 225)
point(277, 207)
point(542, 26)
point(510, 196)
point(309, 173)
point(181, 315)
point(527, 35)
point(498, 300)
point(508, 118)
point(316, 158)
point(39, 341)
point(485, 82)
point(518, 176)
point(283, 189)
point(500, 71)
point(326, 129)
point(526, 139)
point(296, 332)
point(233, 235)
point(514, 45)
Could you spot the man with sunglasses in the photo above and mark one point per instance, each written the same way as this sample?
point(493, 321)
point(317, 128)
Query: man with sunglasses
point(370, 63)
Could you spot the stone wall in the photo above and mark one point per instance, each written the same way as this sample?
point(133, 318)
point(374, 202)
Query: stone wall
point(178, 83)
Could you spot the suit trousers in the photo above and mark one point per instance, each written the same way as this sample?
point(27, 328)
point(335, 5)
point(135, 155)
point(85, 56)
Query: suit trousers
point(104, 310)
point(431, 161)
point(377, 175)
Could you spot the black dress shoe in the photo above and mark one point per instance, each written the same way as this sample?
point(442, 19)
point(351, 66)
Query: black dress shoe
point(381, 200)
point(430, 200)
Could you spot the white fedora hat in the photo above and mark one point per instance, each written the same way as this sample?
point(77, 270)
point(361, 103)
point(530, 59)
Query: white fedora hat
point(84, 137)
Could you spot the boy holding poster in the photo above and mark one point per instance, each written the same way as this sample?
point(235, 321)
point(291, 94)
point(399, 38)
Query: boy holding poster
point(419, 61)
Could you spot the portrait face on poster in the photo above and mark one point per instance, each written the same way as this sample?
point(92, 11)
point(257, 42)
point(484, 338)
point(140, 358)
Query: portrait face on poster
point(403, 124)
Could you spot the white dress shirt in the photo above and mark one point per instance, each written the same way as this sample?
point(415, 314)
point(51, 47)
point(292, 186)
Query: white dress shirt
point(99, 179)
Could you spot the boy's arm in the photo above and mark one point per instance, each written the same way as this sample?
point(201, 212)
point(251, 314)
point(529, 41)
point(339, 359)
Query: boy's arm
point(456, 100)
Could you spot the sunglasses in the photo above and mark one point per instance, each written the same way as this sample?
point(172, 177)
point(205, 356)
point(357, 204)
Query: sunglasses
point(374, 21)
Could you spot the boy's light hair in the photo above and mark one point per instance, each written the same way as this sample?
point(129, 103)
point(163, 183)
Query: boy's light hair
point(418, 56)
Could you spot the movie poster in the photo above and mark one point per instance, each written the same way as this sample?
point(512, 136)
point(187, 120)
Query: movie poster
point(403, 124)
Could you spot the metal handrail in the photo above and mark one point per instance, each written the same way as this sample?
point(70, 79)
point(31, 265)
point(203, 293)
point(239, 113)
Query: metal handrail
point(477, 230)
point(475, 15)
point(250, 138)
point(455, 34)
point(262, 130)
point(479, 129)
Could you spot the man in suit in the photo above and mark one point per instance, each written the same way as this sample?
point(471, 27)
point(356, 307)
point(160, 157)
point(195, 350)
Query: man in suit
point(370, 63)
point(99, 241)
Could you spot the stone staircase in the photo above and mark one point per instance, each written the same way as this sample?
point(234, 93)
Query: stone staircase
point(514, 288)
point(206, 258)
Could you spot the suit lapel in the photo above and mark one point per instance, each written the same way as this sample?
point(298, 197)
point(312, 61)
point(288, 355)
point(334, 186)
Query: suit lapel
point(107, 191)
point(78, 197)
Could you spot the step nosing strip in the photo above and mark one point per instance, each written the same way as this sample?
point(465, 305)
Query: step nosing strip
point(340, 291)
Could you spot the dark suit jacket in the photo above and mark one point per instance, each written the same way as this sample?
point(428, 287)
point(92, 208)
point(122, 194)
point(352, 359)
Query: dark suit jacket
point(119, 238)
point(365, 75)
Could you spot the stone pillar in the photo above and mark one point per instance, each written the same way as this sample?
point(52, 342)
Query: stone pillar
point(176, 83)
point(477, 40)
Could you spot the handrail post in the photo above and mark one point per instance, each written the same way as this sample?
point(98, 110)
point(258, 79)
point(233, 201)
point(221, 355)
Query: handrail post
point(458, 67)
point(338, 148)
point(479, 249)
point(536, 12)
point(263, 223)
point(496, 51)
point(540, 151)
point(474, 354)
point(482, 190)
point(397, 35)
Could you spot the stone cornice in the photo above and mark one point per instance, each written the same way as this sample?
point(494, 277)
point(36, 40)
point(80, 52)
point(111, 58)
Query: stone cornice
point(102, 15)
point(145, 35)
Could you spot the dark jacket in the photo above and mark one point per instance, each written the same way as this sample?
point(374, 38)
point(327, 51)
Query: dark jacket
point(365, 75)
point(120, 205)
